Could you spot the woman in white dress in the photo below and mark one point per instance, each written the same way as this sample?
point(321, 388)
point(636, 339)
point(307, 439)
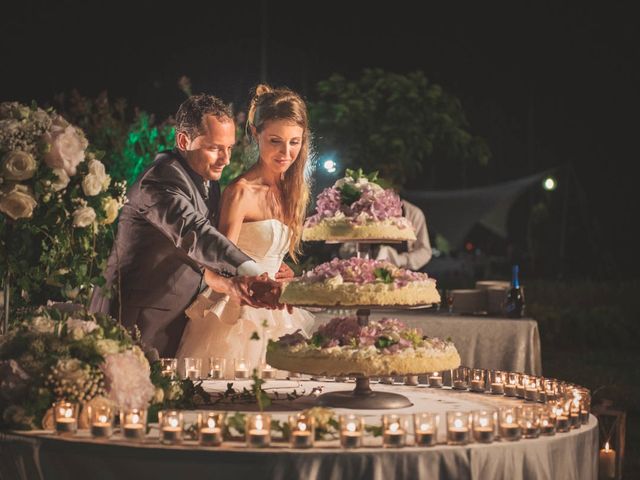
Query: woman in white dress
point(262, 212)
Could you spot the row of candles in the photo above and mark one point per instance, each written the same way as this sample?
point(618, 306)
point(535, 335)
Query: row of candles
point(192, 368)
point(483, 426)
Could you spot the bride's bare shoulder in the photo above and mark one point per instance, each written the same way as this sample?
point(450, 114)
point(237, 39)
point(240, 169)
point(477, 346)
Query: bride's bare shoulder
point(240, 189)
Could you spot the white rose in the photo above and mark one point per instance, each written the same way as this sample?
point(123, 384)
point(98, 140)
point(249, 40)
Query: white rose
point(62, 182)
point(9, 127)
point(107, 347)
point(18, 165)
point(158, 396)
point(91, 185)
point(17, 201)
point(111, 209)
point(67, 145)
point(42, 324)
point(83, 217)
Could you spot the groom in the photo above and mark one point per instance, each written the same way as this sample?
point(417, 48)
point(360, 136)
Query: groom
point(167, 248)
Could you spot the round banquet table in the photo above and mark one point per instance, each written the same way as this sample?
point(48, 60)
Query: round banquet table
point(571, 455)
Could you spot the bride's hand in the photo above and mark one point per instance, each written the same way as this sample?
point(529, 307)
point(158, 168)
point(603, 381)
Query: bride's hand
point(284, 273)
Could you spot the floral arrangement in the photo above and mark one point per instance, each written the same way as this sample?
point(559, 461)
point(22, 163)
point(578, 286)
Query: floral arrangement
point(361, 271)
point(385, 336)
point(87, 358)
point(358, 198)
point(57, 203)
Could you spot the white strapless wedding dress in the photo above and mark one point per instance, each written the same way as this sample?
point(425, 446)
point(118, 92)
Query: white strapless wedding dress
point(218, 327)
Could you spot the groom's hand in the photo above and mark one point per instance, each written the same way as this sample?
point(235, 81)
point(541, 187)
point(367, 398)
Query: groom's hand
point(284, 272)
point(238, 288)
point(266, 291)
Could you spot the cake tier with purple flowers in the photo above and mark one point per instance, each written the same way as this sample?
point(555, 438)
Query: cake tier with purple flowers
point(342, 347)
point(360, 282)
point(356, 207)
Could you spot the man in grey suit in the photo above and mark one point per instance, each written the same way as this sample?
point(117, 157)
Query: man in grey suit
point(167, 248)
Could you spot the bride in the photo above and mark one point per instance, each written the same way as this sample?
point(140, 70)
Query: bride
point(262, 212)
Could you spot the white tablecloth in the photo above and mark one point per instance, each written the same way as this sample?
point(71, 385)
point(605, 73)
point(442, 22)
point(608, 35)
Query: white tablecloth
point(482, 341)
point(570, 456)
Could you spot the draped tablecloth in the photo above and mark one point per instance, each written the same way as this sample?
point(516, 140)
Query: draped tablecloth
point(567, 456)
point(483, 342)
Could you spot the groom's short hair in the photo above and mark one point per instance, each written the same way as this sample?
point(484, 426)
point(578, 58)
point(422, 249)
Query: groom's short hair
point(191, 113)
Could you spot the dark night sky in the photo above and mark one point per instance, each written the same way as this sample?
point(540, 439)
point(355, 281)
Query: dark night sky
point(574, 67)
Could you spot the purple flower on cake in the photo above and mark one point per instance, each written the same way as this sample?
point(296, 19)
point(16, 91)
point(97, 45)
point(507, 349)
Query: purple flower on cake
point(361, 271)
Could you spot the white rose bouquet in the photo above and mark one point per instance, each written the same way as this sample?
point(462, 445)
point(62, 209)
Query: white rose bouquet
point(81, 357)
point(57, 204)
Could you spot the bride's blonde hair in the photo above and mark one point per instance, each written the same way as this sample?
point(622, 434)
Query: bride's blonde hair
point(284, 104)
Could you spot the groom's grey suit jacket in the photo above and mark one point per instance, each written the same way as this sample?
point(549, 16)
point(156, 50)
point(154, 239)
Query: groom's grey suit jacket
point(166, 236)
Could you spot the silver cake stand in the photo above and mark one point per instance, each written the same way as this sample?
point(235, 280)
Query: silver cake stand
point(363, 397)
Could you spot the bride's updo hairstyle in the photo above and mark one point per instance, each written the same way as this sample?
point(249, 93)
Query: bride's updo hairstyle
point(283, 104)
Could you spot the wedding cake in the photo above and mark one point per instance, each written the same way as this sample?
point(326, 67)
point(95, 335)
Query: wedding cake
point(360, 282)
point(356, 207)
point(343, 347)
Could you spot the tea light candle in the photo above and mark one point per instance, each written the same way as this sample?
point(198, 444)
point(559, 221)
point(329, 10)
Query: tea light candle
point(547, 427)
point(477, 385)
point(101, 427)
point(394, 434)
point(483, 431)
point(133, 423)
point(562, 423)
point(459, 385)
point(425, 428)
point(193, 373)
point(458, 434)
point(607, 462)
point(351, 432)
point(66, 418)
point(217, 367)
point(171, 431)
point(435, 380)
point(530, 430)
point(497, 387)
point(210, 429)
point(258, 433)
point(531, 393)
point(168, 366)
point(510, 390)
point(241, 370)
point(302, 430)
point(509, 429)
point(268, 372)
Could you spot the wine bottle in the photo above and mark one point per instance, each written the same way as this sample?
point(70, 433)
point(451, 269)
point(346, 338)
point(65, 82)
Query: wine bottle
point(514, 303)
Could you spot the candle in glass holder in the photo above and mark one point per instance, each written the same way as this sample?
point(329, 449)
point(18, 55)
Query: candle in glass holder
point(458, 427)
point(302, 429)
point(267, 371)
point(133, 422)
point(425, 428)
point(394, 431)
point(521, 385)
point(101, 419)
point(171, 425)
point(192, 368)
point(509, 427)
point(477, 381)
point(66, 417)
point(530, 421)
point(483, 426)
point(435, 380)
point(210, 426)
point(258, 430)
point(497, 383)
point(562, 420)
point(607, 463)
point(168, 367)
point(531, 393)
point(217, 367)
point(241, 370)
point(351, 431)
point(460, 378)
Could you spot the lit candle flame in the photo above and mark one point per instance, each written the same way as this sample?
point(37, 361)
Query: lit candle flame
point(173, 422)
point(483, 422)
point(394, 427)
point(351, 427)
point(259, 423)
point(67, 412)
point(302, 426)
point(424, 427)
point(457, 423)
point(211, 422)
point(135, 418)
point(102, 418)
point(606, 446)
point(509, 419)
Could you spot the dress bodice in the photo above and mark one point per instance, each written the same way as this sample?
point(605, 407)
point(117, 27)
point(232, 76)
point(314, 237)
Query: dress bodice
point(266, 242)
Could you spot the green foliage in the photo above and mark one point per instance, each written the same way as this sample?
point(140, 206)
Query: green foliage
point(401, 125)
point(383, 274)
point(383, 342)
